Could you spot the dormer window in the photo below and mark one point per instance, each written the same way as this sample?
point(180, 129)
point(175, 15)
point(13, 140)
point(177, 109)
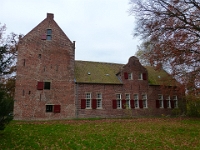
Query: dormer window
point(130, 76)
point(49, 34)
point(140, 77)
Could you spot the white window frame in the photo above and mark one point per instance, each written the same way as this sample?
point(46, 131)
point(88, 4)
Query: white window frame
point(175, 101)
point(119, 100)
point(160, 98)
point(140, 77)
point(136, 100)
point(128, 98)
point(99, 100)
point(144, 100)
point(48, 35)
point(130, 76)
point(88, 100)
point(168, 101)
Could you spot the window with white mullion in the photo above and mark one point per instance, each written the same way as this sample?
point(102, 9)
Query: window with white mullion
point(168, 102)
point(99, 100)
point(136, 102)
point(160, 98)
point(128, 100)
point(175, 101)
point(88, 100)
point(119, 100)
point(144, 100)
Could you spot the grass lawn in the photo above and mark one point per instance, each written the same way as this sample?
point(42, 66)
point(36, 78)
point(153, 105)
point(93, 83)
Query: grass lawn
point(143, 133)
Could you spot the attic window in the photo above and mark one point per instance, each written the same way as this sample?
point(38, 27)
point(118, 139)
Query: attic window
point(49, 34)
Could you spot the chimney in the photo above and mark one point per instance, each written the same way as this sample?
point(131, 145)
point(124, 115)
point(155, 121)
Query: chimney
point(50, 16)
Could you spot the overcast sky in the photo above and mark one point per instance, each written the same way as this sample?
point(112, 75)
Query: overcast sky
point(102, 29)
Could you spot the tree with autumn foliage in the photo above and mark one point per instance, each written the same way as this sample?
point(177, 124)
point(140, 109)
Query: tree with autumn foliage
point(8, 52)
point(170, 30)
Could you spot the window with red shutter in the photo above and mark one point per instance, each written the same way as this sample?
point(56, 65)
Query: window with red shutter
point(132, 104)
point(56, 108)
point(40, 86)
point(144, 76)
point(114, 102)
point(94, 103)
point(49, 108)
point(83, 103)
point(124, 104)
point(140, 103)
point(125, 75)
point(157, 104)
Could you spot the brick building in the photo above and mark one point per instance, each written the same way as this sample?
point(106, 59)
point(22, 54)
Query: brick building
point(51, 84)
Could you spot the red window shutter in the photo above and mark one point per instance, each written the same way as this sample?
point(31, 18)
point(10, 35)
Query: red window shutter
point(144, 76)
point(125, 75)
point(124, 104)
point(94, 103)
point(83, 103)
point(43, 37)
point(56, 108)
point(165, 103)
point(114, 104)
point(172, 103)
point(157, 104)
point(132, 104)
point(40, 86)
point(140, 104)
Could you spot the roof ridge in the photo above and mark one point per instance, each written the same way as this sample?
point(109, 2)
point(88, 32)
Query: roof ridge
point(99, 62)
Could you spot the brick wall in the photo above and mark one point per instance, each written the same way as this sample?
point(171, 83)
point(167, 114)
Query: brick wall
point(45, 60)
point(130, 86)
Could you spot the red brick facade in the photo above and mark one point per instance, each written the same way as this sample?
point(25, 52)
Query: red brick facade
point(46, 86)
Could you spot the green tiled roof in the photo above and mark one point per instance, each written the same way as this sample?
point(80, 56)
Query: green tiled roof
point(105, 73)
point(97, 72)
point(159, 77)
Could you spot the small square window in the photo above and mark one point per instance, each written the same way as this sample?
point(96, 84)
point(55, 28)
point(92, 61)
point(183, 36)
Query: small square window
point(49, 37)
point(140, 77)
point(49, 31)
point(47, 85)
point(49, 108)
point(130, 77)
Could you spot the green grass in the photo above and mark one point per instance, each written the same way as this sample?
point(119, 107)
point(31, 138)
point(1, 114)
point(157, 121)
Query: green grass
point(143, 133)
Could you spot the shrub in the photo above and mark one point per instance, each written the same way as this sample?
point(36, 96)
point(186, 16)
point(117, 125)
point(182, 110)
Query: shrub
point(6, 108)
point(193, 106)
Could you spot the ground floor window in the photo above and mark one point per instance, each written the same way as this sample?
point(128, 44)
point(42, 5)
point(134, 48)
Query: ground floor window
point(53, 108)
point(168, 102)
point(127, 100)
point(160, 99)
point(136, 101)
point(49, 108)
point(119, 99)
point(175, 101)
point(99, 100)
point(144, 100)
point(88, 100)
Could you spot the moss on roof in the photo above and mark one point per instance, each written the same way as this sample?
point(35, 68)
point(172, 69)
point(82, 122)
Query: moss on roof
point(159, 77)
point(97, 72)
point(105, 73)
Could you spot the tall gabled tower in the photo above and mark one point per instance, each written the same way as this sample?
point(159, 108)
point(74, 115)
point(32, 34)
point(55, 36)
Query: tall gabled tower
point(45, 74)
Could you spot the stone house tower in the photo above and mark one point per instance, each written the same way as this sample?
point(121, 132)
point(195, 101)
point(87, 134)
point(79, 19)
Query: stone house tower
point(45, 74)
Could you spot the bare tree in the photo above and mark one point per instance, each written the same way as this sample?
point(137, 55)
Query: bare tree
point(173, 29)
